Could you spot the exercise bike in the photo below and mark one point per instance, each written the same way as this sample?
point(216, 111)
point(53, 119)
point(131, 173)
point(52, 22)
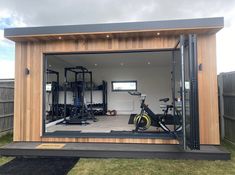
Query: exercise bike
point(148, 118)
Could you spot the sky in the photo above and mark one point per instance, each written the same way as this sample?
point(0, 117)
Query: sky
point(24, 13)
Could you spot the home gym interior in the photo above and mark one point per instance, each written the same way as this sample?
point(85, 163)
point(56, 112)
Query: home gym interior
point(113, 93)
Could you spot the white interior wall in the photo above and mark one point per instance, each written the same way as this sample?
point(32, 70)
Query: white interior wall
point(155, 82)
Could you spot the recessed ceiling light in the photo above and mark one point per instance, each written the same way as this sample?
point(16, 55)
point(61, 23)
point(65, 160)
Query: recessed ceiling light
point(107, 36)
point(96, 64)
point(158, 33)
point(149, 62)
point(59, 37)
point(122, 64)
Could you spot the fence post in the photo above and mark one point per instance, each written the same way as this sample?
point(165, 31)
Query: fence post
point(221, 104)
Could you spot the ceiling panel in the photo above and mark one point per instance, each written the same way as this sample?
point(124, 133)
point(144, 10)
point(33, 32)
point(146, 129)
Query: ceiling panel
point(112, 60)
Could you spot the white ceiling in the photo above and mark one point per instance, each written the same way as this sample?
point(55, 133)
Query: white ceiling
point(141, 59)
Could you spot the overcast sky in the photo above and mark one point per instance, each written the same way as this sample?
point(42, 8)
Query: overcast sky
point(23, 13)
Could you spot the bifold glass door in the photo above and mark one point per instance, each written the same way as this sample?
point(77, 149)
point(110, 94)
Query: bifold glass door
point(186, 90)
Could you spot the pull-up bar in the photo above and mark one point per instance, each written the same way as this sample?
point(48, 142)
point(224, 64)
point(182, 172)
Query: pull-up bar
point(78, 70)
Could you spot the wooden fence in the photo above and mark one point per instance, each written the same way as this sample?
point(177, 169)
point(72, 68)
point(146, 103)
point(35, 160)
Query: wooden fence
point(6, 105)
point(227, 105)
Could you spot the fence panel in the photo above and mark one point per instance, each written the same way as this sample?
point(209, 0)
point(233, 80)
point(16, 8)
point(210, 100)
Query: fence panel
point(227, 105)
point(6, 105)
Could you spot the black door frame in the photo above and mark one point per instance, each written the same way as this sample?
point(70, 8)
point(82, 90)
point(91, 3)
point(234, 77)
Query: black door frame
point(192, 140)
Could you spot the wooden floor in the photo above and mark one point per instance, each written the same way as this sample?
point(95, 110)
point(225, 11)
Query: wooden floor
point(102, 150)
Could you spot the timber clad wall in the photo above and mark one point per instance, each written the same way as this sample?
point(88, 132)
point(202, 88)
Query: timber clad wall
point(28, 88)
point(208, 90)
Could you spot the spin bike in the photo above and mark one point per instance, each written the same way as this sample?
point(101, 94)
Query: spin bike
point(148, 118)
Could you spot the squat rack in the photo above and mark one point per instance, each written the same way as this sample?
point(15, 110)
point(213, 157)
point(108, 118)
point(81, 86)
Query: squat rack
point(78, 70)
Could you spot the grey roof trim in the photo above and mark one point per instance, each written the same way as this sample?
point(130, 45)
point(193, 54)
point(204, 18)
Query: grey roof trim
point(116, 27)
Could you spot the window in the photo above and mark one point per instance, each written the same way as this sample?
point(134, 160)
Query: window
point(124, 85)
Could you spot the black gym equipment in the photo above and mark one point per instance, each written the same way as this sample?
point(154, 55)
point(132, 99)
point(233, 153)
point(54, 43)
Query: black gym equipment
point(53, 114)
point(100, 108)
point(148, 118)
point(79, 112)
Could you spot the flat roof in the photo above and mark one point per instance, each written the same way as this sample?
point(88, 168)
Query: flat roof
point(116, 27)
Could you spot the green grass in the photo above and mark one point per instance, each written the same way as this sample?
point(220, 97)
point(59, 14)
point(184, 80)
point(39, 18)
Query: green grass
point(147, 166)
point(3, 141)
point(155, 166)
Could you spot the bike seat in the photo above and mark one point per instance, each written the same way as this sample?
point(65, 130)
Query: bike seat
point(164, 99)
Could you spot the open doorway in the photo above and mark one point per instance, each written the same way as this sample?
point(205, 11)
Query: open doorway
point(103, 93)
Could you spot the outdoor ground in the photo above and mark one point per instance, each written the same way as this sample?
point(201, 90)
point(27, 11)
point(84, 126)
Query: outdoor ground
point(116, 166)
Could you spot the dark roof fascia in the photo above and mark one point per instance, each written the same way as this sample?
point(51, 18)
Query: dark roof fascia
point(117, 27)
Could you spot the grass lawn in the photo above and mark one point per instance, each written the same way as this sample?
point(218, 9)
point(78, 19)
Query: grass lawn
point(4, 140)
point(147, 166)
point(157, 166)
